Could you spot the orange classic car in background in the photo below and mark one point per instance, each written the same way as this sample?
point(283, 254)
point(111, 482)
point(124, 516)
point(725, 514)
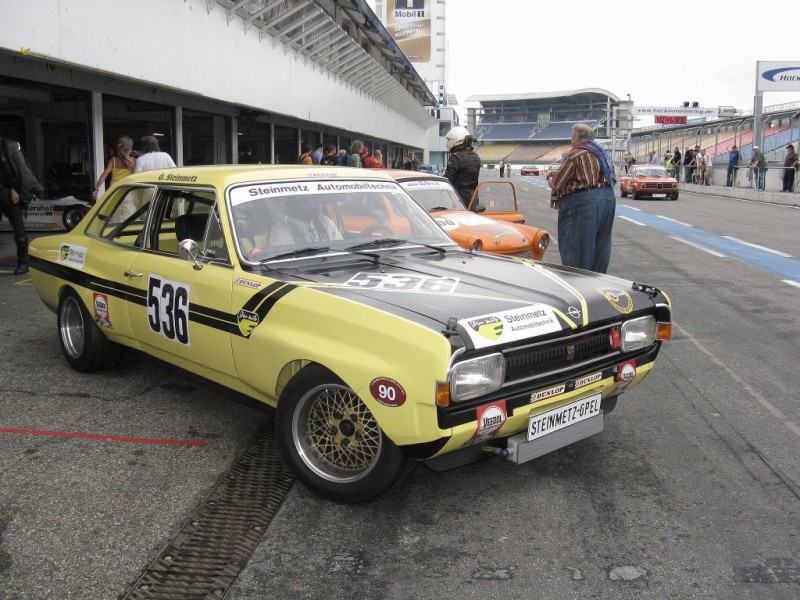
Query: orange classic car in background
point(648, 181)
point(491, 223)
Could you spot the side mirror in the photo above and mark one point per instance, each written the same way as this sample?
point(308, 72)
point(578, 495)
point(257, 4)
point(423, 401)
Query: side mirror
point(189, 250)
point(479, 208)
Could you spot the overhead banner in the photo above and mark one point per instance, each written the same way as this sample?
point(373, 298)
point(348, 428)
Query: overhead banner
point(777, 76)
point(409, 23)
point(676, 111)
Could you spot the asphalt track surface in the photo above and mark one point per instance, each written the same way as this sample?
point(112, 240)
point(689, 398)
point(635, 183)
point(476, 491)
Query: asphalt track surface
point(692, 491)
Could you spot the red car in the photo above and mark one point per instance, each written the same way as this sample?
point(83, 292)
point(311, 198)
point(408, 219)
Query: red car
point(529, 170)
point(648, 181)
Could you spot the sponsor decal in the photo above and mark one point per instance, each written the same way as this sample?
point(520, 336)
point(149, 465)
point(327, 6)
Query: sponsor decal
point(247, 283)
point(626, 372)
point(101, 316)
point(491, 418)
point(588, 379)
point(425, 184)
point(246, 193)
point(490, 327)
point(255, 251)
point(619, 299)
point(247, 321)
point(387, 392)
point(510, 325)
point(403, 283)
point(548, 393)
point(72, 255)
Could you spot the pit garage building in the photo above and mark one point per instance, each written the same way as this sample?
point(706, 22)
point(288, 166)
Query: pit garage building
point(205, 77)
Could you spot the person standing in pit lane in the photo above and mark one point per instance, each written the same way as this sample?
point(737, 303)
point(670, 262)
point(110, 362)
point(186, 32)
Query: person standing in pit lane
point(464, 164)
point(18, 186)
point(583, 193)
point(789, 167)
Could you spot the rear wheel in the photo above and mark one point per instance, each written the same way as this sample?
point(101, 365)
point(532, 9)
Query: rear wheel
point(84, 345)
point(332, 441)
point(72, 216)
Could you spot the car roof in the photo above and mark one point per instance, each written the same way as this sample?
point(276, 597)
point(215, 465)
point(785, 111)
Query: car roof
point(226, 175)
point(405, 174)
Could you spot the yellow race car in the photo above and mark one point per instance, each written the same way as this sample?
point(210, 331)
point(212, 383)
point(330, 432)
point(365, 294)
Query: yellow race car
point(379, 344)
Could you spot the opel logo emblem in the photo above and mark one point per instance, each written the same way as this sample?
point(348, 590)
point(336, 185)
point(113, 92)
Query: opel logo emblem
point(573, 312)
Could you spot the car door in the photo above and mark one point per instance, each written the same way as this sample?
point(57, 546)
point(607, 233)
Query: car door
point(499, 198)
point(182, 308)
point(118, 226)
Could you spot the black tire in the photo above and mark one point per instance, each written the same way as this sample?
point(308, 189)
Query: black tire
point(636, 195)
point(72, 216)
point(84, 345)
point(331, 441)
point(623, 193)
point(675, 197)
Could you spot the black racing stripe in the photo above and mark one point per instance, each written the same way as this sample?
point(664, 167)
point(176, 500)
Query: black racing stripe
point(230, 327)
point(203, 315)
point(259, 296)
point(268, 303)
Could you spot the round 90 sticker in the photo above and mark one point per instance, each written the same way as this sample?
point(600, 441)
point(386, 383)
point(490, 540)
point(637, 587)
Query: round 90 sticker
point(387, 391)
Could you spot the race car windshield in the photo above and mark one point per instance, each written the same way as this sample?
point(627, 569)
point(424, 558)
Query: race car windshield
point(433, 195)
point(284, 218)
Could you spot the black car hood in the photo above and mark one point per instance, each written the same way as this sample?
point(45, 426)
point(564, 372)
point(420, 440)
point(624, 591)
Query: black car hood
point(487, 299)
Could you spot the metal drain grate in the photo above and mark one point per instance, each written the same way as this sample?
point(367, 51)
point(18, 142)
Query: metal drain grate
point(203, 560)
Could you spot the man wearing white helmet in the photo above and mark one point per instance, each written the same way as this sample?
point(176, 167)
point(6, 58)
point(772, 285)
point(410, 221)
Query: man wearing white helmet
point(758, 163)
point(464, 165)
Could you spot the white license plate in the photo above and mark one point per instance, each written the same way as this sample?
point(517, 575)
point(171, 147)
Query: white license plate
point(564, 416)
point(659, 195)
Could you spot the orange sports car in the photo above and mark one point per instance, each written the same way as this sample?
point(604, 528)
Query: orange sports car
point(492, 222)
point(651, 181)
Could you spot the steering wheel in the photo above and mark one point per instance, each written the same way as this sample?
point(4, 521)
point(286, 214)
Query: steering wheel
point(375, 229)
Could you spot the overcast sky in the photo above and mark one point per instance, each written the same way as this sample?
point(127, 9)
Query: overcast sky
point(696, 50)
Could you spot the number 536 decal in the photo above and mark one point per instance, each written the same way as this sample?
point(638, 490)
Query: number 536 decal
point(168, 308)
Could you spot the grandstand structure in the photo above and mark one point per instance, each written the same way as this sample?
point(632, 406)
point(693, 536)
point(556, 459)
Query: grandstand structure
point(780, 127)
point(537, 127)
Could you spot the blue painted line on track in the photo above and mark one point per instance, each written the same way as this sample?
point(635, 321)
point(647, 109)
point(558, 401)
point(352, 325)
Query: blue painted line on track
point(784, 267)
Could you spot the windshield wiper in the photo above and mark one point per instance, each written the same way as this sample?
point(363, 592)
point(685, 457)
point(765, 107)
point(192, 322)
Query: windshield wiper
point(378, 243)
point(300, 252)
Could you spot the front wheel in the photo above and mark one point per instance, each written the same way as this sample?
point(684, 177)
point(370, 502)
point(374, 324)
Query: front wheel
point(332, 441)
point(84, 345)
point(636, 195)
point(623, 193)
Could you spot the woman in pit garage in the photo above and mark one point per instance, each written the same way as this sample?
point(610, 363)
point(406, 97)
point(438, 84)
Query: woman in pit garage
point(121, 164)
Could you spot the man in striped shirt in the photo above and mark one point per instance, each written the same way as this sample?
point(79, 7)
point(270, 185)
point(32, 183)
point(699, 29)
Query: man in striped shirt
point(583, 189)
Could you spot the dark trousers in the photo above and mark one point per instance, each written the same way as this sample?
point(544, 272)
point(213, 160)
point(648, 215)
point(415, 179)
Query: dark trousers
point(14, 214)
point(788, 180)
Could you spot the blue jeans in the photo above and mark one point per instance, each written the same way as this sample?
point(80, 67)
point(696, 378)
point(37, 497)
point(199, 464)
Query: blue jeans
point(761, 175)
point(585, 221)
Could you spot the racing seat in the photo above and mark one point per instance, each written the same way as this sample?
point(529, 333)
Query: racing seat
point(191, 227)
